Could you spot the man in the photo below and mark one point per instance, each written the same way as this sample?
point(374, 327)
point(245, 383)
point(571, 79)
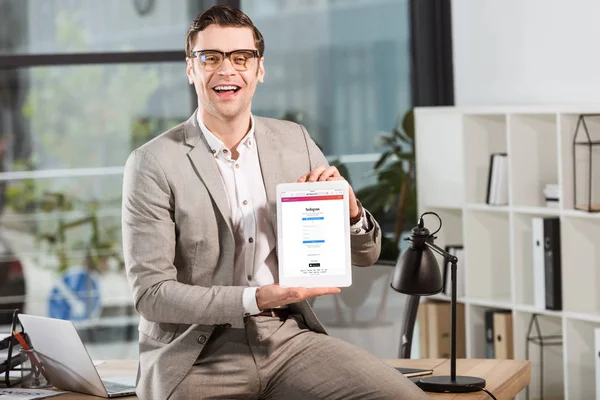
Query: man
point(199, 220)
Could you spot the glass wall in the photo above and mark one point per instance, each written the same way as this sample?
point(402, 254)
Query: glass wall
point(339, 67)
point(76, 26)
point(65, 133)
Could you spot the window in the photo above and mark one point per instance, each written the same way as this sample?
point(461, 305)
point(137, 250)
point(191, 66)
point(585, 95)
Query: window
point(341, 68)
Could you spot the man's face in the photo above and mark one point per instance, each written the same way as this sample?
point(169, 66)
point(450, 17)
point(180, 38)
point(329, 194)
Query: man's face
point(212, 86)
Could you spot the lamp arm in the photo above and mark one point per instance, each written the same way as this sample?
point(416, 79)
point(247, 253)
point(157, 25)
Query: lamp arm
point(441, 252)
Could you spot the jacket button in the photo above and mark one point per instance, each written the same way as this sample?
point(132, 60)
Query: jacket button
point(201, 339)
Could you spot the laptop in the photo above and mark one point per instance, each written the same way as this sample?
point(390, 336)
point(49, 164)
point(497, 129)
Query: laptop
point(66, 359)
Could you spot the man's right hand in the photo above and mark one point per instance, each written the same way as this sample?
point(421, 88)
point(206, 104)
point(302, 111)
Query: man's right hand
point(272, 296)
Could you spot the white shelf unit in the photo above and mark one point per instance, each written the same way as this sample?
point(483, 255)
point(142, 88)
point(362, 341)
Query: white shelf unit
point(454, 145)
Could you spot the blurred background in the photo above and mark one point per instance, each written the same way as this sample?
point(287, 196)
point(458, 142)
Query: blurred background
point(83, 83)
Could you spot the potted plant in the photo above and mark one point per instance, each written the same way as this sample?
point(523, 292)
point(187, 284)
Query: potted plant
point(392, 199)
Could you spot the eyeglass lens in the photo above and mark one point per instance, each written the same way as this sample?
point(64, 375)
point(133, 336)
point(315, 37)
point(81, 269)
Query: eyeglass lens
point(241, 60)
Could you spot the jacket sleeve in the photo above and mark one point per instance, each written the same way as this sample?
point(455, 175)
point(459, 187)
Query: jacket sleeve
point(365, 247)
point(149, 242)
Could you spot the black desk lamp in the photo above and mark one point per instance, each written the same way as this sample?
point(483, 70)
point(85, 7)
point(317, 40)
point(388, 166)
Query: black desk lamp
point(417, 273)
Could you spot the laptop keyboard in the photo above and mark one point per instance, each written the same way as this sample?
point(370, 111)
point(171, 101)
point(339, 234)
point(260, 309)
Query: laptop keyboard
point(113, 387)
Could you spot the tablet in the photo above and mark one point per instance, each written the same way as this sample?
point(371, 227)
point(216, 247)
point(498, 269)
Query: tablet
point(313, 234)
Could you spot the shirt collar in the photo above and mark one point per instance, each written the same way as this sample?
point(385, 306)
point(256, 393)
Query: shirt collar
point(217, 146)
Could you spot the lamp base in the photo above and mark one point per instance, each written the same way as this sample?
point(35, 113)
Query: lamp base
point(444, 384)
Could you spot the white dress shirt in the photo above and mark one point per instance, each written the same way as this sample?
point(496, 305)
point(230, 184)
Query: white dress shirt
point(255, 262)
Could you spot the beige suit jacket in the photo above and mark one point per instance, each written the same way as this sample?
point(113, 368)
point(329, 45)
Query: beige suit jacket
point(179, 246)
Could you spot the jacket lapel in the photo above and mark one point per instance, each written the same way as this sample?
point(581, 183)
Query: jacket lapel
point(203, 162)
point(268, 156)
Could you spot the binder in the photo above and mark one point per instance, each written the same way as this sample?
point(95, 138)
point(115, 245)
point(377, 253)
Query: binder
point(438, 323)
point(503, 335)
point(439, 328)
point(539, 274)
point(489, 334)
point(552, 264)
point(491, 330)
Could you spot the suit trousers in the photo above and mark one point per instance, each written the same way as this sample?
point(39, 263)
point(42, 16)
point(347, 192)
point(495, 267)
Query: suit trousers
point(275, 358)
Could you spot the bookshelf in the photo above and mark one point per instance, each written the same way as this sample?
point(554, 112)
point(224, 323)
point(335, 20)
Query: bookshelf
point(453, 148)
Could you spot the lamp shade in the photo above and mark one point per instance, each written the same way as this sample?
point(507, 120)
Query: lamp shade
point(417, 271)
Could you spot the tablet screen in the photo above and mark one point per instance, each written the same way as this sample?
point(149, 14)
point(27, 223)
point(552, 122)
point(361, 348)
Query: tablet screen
point(313, 233)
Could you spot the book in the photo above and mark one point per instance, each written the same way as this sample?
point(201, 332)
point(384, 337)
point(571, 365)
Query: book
point(497, 188)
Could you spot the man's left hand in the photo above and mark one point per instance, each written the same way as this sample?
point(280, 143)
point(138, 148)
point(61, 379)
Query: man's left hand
point(322, 174)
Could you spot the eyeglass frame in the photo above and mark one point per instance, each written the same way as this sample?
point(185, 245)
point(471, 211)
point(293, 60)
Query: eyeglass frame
point(226, 55)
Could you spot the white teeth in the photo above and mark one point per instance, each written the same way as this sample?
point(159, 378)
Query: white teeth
point(226, 87)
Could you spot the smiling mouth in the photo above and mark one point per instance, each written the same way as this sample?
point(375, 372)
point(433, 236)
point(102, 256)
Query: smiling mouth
point(226, 89)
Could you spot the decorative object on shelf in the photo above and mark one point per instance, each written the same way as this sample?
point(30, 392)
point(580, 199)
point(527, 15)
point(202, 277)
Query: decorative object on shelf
point(417, 273)
point(542, 341)
point(552, 195)
point(586, 157)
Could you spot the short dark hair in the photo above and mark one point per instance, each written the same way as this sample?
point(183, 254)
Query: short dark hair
point(223, 16)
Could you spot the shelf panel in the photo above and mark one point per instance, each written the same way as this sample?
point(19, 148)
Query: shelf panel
point(475, 330)
point(438, 206)
point(483, 135)
point(581, 214)
point(587, 317)
point(534, 310)
point(487, 207)
point(580, 244)
point(580, 359)
point(541, 211)
point(503, 303)
point(487, 261)
point(533, 159)
point(553, 355)
point(568, 123)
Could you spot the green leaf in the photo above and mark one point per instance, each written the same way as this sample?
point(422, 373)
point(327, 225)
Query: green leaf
point(408, 124)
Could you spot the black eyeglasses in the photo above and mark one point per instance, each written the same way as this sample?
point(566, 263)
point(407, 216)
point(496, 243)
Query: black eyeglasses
point(241, 60)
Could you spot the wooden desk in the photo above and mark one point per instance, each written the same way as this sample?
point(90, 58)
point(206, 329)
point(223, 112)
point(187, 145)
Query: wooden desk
point(504, 378)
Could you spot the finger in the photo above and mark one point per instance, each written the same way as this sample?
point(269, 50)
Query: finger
point(329, 172)
point(315, 174)
point(304, 177)
point(312, 292)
